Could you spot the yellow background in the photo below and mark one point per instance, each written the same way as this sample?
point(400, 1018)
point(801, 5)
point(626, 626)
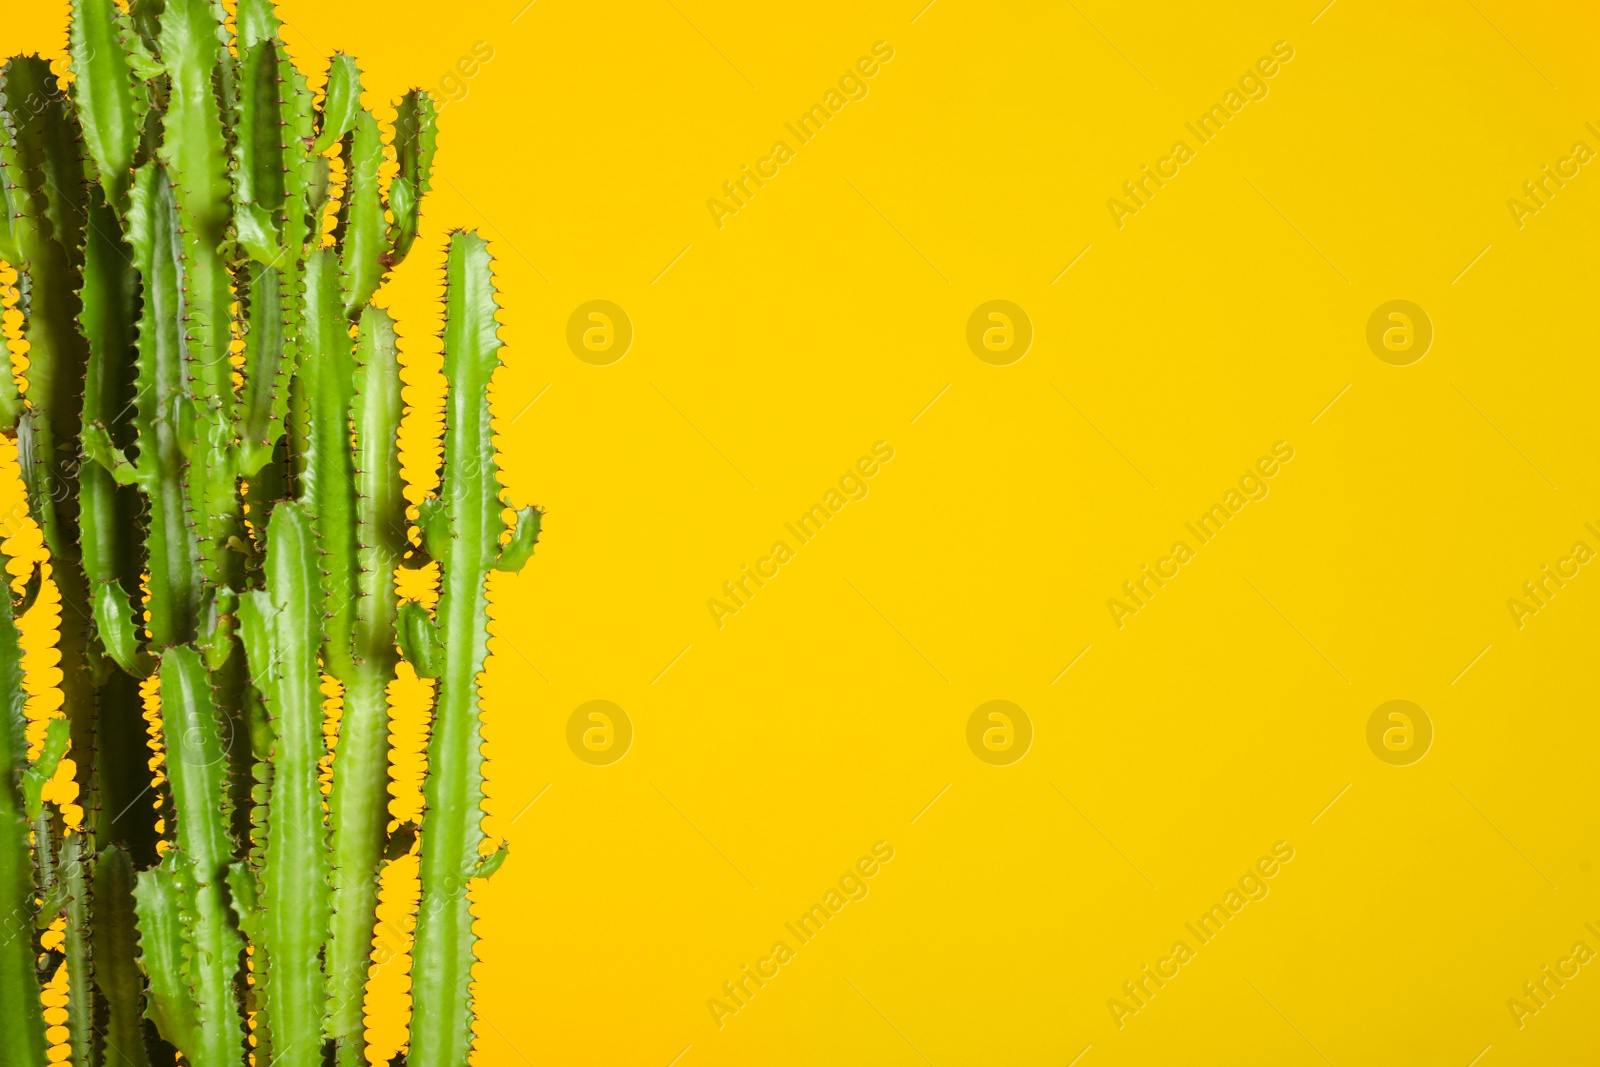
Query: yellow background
point(1224, 717)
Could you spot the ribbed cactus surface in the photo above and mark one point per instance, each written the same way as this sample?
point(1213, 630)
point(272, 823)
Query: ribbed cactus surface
point(205, 406)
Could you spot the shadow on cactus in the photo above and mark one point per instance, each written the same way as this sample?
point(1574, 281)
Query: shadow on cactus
point(205, 407)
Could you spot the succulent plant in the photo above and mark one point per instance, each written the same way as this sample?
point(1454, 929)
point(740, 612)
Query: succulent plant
point(205, 406)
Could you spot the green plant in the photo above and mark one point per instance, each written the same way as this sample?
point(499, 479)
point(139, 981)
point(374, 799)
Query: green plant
point(206, 425)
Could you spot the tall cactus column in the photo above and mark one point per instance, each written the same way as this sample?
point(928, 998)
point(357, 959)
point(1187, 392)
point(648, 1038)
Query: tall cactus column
point(279, 626)
point(461, 529)
point(356, 806)
point(45, 196)
point(22, 1036)
point(197, 764)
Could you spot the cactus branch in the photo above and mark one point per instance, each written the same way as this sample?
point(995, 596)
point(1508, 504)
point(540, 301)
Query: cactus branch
point(197, 762)
point(358, 801)
point(280, 627)
point(22, 1038)
point(452, 832)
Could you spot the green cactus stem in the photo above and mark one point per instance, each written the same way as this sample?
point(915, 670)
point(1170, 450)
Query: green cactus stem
point(357, 806)
point(467, 548)
point(158, 908)
point(108, 510)
point(22, 1038)
point(42, 172)
point(162, 417)
point(75, 882)
point(194, 150)
point(104, 93)
point(115, 951)
point(280, 626)
point(197, 765)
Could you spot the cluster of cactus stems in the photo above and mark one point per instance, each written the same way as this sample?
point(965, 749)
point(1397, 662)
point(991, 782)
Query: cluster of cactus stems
point(205, 406)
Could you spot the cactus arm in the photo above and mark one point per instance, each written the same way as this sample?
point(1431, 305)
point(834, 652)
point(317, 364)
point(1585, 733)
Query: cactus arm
point(452, 830)
point(195, 151)
point(358, 804)
point(415, 137)
point(158, 910)
point(379, 486)
point(256, 623)
point(116, 974)
point(265, 396)
point(366, 245)
point(115, 619)
point(43, 479)
point(33, 123)
point(43, 155)
point(418, 636)
point(300, 187)
point(80, 1003)
point(246, 892)
point(341, 105)
point(96, 444)
point(492, 862)
point(261, 178)
point(260, 198)
point(161, 411)
point(197, 765)
point(218, 621)
point(22, 1041)
point(258, 177)
point(195, 154)
point(57, 738)
point(41, 164)
point(272, 179)
point(433, 519)
point(35, 446)
point(329, 474)
point(296, 123)
point(146, 18)
point(12, 220)
point(255, 21)
point(109, 299)
point(246, 899)
point(516, 552)
point(103, 90)
point(107, 511)
point(280, 629)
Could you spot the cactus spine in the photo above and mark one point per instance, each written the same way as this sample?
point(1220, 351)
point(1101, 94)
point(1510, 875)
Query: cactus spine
point(206, 424)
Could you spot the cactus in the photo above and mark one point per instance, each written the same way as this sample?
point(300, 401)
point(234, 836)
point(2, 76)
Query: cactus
point(462, 530)
point(206, 408)
point(279, 624)
point(22, 1039)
